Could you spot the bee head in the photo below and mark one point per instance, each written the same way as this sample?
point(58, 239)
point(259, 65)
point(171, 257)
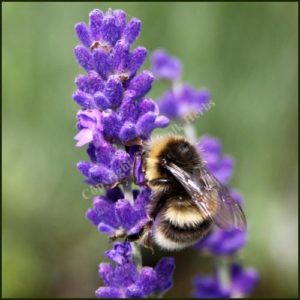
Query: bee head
point(181, 153)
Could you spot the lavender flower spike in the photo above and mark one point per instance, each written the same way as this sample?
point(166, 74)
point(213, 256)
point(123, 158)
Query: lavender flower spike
point(125, 280)
point(114, 117)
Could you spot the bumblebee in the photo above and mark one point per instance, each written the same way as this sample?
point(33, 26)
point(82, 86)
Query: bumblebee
point(186, 199)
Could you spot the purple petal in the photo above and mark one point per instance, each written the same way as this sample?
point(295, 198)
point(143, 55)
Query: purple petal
point(168, 105)
point(101, 101)
point(92, 216)
point(96, 17)
point(125, 274)
point(133, 291)
point(165, 66)
point(106, 272)
point(120, 16)
point(143, 198)
point(165, 269)
point(105, 211)
point(105, 153)
point(111, 123)
point(147, 281)
point(83, 137)
point(114, 91)
point(84, 58)
point(102, 175)
point(225, 170)
point(148, 105)
point(121, 164)
point(210, 148)
point(243, 280)
point(132, 30)
point(125, 213)
point(128, 109)
point(106, 229)
point(84, 166)
point(221, 242)
point(209, 287)
point(85, 100)
point(89, 118)
point(120, 249)
point(141, 84)
point(137, 58)
point(145, 125)
point(162, 122)
point(120, 55)
point(109, 292)
point(83, 34)
point(89, 84)
point(110, 32)
point(101, 62)
point(127, 132)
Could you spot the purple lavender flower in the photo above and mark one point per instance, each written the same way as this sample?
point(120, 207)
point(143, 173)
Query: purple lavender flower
point(220, 166)
point(241, 283)
point(125, 280)
point(164, 66)
point(113, 214)
point(178, 103)
point(112, 86)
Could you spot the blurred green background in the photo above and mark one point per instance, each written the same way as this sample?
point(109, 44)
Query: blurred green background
point(245, 53)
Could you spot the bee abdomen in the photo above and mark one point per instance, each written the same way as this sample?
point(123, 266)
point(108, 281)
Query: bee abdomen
point(172, 237)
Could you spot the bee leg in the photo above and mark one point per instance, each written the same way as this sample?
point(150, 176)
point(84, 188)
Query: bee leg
point(147, 241)
point(118, 234)
point(143, 237)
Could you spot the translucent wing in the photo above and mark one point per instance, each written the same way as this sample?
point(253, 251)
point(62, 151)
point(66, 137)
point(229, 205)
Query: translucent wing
point(211, 197)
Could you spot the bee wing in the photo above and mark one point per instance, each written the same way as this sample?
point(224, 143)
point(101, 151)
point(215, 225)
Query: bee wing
point(229, 213)
point(211, 197)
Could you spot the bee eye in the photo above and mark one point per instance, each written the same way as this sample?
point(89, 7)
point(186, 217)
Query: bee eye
point(170, 156)
point(184, 148)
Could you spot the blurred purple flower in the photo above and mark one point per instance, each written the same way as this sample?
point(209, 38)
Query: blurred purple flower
point(221, 242)
point(184, 100)
point(165, 66)
point(209, 287)
point(125, 280)
point(241, 283)
point(221, 166)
